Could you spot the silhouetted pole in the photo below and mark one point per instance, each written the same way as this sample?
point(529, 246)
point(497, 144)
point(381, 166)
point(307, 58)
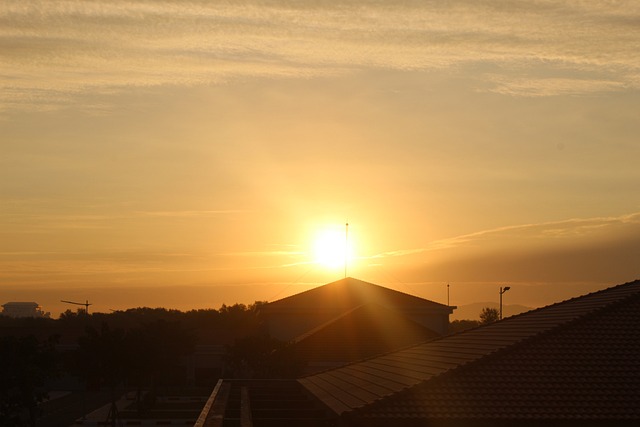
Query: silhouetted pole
point(502, 291)
point(448, 295)
point(346, 249)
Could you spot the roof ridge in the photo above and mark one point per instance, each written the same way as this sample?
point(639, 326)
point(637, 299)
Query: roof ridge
point(551, 328)
point(573, 299)
point(344, 279)
point(555, 304)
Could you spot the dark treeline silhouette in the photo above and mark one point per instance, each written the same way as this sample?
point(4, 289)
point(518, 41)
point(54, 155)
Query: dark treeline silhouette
point(208, 325)
point(25, 366)
point(138, 349)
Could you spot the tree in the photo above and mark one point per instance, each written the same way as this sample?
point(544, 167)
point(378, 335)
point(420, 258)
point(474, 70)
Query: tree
point(102, 356)
point(489, 315)
point(25, 364)
point(157, 351)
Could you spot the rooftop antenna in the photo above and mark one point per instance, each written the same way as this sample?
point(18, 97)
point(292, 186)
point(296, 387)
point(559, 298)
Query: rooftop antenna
point(346, 249)
point(86, 304)
point(448, 294)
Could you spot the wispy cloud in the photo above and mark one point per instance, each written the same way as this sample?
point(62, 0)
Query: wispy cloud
point(537, 87)
point(188, 213)
point(30, 223)
point(565, 229)
point(263, 253)
point(53, 52)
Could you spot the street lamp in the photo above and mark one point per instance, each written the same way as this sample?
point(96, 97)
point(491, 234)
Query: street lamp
point(502, 291)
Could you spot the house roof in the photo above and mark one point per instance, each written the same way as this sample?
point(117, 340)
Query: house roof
point(397, 385)
point(365, 331)
point(349, 293)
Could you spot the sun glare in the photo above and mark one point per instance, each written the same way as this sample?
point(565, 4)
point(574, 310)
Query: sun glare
point(332, 248)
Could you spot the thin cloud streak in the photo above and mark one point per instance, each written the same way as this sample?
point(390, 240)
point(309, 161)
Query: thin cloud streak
point(263, 253)
point(574, 227)
point(189, 214)
point(555, 86)
point(40, 223)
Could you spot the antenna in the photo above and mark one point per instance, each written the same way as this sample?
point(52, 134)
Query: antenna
point(86, 304)
point(346, 249)
point(448, 294)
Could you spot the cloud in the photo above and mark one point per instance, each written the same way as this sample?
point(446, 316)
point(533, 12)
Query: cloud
point(189, 213)
point(535, 87)
point(594, 250)
point(29, 223)
point(55, 52)
point(263, 253)
point(566, 231)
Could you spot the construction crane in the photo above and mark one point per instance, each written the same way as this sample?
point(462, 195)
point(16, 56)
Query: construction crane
point(86, 304)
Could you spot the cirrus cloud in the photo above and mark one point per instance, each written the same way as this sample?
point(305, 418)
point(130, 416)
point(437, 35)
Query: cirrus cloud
point(55, 52)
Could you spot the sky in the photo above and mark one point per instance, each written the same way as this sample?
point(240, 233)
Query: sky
point(189, 153)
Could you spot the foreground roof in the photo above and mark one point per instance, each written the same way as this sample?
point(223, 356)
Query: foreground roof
point(578, 360)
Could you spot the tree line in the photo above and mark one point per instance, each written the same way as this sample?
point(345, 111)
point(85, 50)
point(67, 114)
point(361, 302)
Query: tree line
point(139, 349)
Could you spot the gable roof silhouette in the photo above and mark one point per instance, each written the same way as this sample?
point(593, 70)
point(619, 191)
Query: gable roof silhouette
point(297, 315)
point(575, 360)
point(349, 293)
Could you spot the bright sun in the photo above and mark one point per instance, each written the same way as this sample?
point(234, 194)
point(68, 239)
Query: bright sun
point(332, 248)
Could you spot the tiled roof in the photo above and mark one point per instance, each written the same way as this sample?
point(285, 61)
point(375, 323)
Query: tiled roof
point(349, 293)
point(588, 370)
point(374, 385)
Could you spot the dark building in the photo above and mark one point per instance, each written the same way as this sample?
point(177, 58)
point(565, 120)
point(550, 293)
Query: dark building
point(572, 363)
point(349, 320)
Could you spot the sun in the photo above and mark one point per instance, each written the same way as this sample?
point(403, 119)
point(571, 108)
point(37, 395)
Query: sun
point(332, 248)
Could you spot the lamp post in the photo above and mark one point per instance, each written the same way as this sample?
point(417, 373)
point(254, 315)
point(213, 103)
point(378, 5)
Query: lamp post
point(502, 291)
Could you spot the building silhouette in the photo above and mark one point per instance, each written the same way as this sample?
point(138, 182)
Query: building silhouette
point(349, 319)
point(23, 309)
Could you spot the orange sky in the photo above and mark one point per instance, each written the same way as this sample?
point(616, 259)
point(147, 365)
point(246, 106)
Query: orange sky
point(172, 145)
